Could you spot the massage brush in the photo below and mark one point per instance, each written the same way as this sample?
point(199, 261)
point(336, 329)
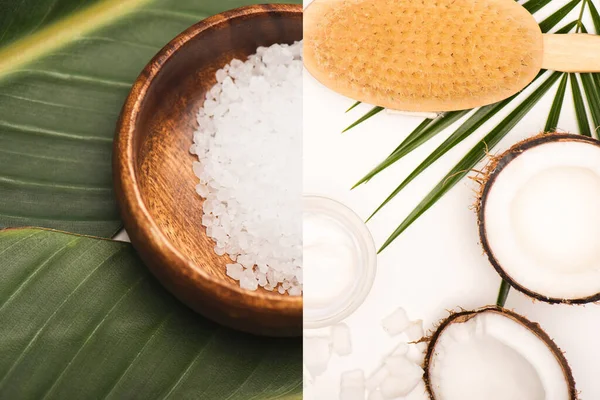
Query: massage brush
point(435, 55)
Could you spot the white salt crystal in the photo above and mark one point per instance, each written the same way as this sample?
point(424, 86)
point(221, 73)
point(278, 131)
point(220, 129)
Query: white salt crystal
point(235, 271)
point(396, 322)
point(340, 337)
point(316, 354)
point(248, 145)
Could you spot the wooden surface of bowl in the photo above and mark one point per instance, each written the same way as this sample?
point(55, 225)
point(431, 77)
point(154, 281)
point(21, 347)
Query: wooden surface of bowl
point(153, 176)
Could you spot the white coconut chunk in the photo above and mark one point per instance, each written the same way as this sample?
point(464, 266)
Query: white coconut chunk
point(401, 366)
point(504, 360)
point(414, 331)
point(398, 350)
point(306, 377)
point(316, 354)
point(542, 220)
point(352, 385)
point(376, 395)
point(396, 322)
point(376, 378)
point(352, 393)
point(416, 353)
point(393, 387)
point(341, 339)
point(353, 378)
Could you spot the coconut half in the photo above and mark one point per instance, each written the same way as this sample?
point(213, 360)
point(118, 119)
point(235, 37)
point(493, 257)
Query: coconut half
point(539, 217)
point(494, 354)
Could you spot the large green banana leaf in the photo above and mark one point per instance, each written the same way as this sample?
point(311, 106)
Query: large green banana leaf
point(66, 67)
point(81, 318)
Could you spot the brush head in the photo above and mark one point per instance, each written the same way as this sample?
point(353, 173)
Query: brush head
point(422, 55)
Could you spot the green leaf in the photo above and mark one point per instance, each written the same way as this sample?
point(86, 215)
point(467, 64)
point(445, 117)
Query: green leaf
point(554, 116)
point(25, 17)
point(374, 111)
point(425, 131)
point(353, 106)
point(595, 16)
point(534, 6)
point(62, 86)
point(592, 92)
point(550, 22)
point(567, 28)
point(82, 318)
point(475, 155)
point(580, 111)
point(481, 116)
point(503, 293)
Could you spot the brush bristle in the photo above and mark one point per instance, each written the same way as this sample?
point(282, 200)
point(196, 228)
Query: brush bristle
point(422, 55)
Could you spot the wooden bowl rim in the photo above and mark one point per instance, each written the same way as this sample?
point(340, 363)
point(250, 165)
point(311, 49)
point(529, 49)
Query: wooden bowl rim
point(142, 222)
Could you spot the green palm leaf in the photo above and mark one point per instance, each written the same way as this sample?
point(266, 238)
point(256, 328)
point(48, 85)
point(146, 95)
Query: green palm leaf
point(82, 318)
point(474, 156)
point(580, 111)
point(481, 116)
point(422, 133)
point(535, 5)
point(554, 116)
point(595, 16)
point(558, 16)
point(373, 111)
point(66, 67)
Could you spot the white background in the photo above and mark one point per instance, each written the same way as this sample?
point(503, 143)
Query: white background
point(437, 264)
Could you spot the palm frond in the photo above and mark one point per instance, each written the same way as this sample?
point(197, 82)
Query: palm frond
point(553, 20)
point(474, 156)
point(553, 117)
point(374, 111)
point(580, 112)
point(420, 135)
point(353, 106)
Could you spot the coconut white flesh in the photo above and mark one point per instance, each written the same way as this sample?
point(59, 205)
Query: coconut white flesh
point(542, 219)
point(493, 357)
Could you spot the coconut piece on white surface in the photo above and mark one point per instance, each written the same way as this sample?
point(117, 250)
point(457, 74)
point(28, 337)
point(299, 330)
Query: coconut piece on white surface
point(396, 322)
point(401, 366)
point(307, 380)
point(393, 387)
point(539, 217)
point(376, 378)
point(316, 354)
point(510, 358)
point(352, 393)
point(376, 395)
point(341, 339)
point(352, 385)
point(414, 331)
point(353, 378)
point(400, 349)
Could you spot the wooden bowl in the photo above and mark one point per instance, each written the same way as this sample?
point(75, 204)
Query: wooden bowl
point(152, 167)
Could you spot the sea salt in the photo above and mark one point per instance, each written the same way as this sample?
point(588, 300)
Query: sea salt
point(249, 145)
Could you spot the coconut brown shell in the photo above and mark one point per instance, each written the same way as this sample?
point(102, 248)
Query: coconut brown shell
point(492, 171)
point(464, 316)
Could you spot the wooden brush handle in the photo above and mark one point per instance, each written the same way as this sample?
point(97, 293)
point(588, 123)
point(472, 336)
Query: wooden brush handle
point(577, 52)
